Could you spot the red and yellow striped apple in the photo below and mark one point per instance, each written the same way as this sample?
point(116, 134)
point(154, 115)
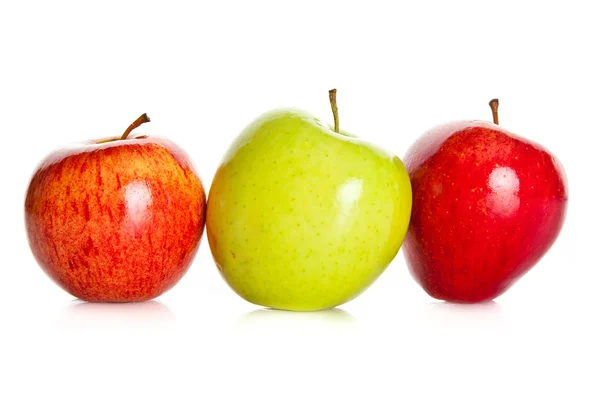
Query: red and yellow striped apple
point(116, 220)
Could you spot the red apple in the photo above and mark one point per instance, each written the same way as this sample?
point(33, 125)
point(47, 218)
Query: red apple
point(487, 205)
point(116, 220)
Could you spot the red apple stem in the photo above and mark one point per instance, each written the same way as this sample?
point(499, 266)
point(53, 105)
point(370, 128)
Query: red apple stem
point(142, 119)
point(494, 106)
point(334, 109)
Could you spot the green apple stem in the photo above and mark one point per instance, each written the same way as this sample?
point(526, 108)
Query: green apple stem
point(334, 109)
point(494, 106)
point(142, 119)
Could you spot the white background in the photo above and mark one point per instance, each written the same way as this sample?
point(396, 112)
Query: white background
point(73, 71)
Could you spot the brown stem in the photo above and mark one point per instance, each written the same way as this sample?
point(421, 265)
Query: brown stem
point(334, 109)
point(142, 119)
point(494, 106)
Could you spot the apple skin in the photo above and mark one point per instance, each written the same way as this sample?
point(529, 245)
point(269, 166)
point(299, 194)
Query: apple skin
point(302, 218)
point(487, 205)
point(116, 221)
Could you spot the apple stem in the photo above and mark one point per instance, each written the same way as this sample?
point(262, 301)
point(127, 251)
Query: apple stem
point(494, 106)
point(142, 119)
point(334, 109)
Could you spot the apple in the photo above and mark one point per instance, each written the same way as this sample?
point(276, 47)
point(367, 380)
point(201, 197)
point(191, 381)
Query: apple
point(116, 220)
point(304, 217)
point(487, 205)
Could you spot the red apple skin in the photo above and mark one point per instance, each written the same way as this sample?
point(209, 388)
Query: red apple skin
point(487, 205)
point(119, 221)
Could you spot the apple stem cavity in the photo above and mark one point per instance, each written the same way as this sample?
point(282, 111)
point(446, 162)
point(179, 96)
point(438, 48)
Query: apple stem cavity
point(494, 106)
point(334, 109)
point(142, 119)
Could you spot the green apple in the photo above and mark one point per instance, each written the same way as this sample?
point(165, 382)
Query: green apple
point(302, 217)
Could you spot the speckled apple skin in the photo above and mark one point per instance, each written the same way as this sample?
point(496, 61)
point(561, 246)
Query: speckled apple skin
point(487, 205)
point(118, 221)
point(302, 218)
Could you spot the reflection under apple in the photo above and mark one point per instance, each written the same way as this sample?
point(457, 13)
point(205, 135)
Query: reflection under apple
point(462, 319)
point(130, 312)
point(334, 317)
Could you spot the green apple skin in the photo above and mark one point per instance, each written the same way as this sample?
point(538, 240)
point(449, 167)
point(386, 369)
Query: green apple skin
point(302, 218)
